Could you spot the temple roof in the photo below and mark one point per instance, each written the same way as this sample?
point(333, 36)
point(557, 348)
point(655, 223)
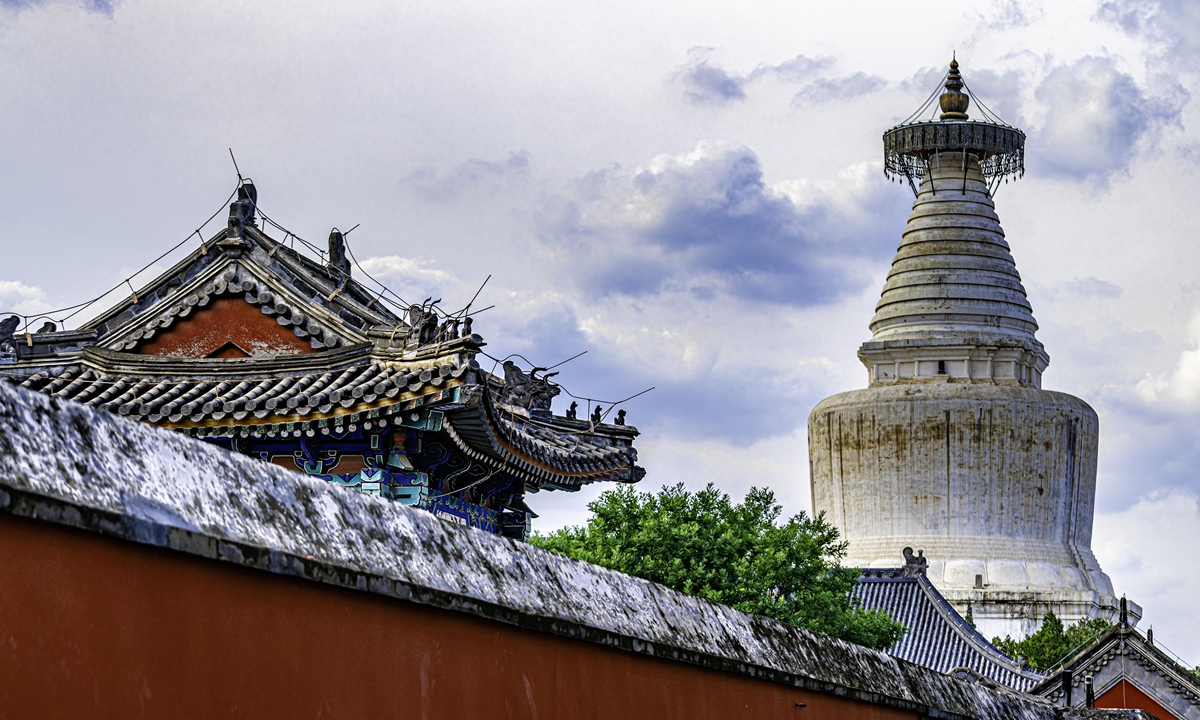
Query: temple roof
point(316, 302)
point(175, 392)
point(245, 336)
point(1121, 653)
point(937, 637)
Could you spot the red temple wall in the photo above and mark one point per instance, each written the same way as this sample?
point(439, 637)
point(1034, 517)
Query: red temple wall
point(102, 628)
point(1125, 695)
point(213, 331)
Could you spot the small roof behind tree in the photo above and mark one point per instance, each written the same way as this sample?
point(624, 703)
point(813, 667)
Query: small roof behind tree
point(1125, 669)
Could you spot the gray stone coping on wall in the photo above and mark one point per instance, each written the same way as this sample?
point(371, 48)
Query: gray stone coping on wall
point(64, 463)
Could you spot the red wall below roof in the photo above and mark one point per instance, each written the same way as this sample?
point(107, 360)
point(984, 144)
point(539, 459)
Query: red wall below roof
point(226, 321)
point(101, 628)
point(1125, 695)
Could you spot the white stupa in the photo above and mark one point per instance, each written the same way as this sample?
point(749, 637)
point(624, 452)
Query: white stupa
point(954, 449)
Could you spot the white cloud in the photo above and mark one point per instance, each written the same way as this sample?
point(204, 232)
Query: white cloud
point(1097, 117)
point(1092, 287)
point(706, 223)
point(844, 88)
point(412, 276)
point(1172, 26)
point(17, 297)
point(101, 6)
point(473, 175)
point(1150, 551)
point(1179, 388)
point(707, 83)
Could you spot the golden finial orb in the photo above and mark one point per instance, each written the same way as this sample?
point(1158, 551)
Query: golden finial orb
point(954, 101)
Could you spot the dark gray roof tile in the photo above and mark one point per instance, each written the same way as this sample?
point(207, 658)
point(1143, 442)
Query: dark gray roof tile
point(937, 637)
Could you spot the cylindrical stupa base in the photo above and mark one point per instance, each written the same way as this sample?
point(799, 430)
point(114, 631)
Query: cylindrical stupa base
point(994, 483)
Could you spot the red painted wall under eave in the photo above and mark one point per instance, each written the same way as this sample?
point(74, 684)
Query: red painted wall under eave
point(1126, 695)
point(102, 628)
point(226, 320)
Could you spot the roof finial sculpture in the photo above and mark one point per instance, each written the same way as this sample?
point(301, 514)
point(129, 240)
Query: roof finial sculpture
point(337, 256)
point(8, 327)
point(241, 213)
point(909, 147)
point(915, 565)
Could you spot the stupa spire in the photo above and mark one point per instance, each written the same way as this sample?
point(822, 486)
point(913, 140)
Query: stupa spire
point(953, 277)
point(954, 304)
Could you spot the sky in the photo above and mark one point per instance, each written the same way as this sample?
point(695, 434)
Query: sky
point(690, 192)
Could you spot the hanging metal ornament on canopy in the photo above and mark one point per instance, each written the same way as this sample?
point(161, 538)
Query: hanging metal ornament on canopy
point(909, 147)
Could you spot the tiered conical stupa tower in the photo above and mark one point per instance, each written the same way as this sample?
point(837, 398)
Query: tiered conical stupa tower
point(954, 448)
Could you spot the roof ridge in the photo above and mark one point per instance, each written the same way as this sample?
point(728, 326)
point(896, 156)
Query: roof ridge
point(938, 637)
point(306, 282)
point(1133, 639)
point(971, 633)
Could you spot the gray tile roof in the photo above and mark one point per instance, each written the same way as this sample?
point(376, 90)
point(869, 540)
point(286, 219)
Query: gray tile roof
point(1123, 653)
point(367, 366)
point(938, 637)
point(556, 454)
point(172, 392)
point(317, 304)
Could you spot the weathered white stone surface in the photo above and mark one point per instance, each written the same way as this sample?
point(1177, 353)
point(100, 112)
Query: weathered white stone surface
point(993, 482)
point(953, 448)
point(953, 304)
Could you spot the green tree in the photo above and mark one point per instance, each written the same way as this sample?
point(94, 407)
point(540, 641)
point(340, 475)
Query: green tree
point(738, 555)
point(1053, 643)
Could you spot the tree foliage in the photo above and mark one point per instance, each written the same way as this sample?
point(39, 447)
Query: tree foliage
point(1053, 643)
point(735, 554)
